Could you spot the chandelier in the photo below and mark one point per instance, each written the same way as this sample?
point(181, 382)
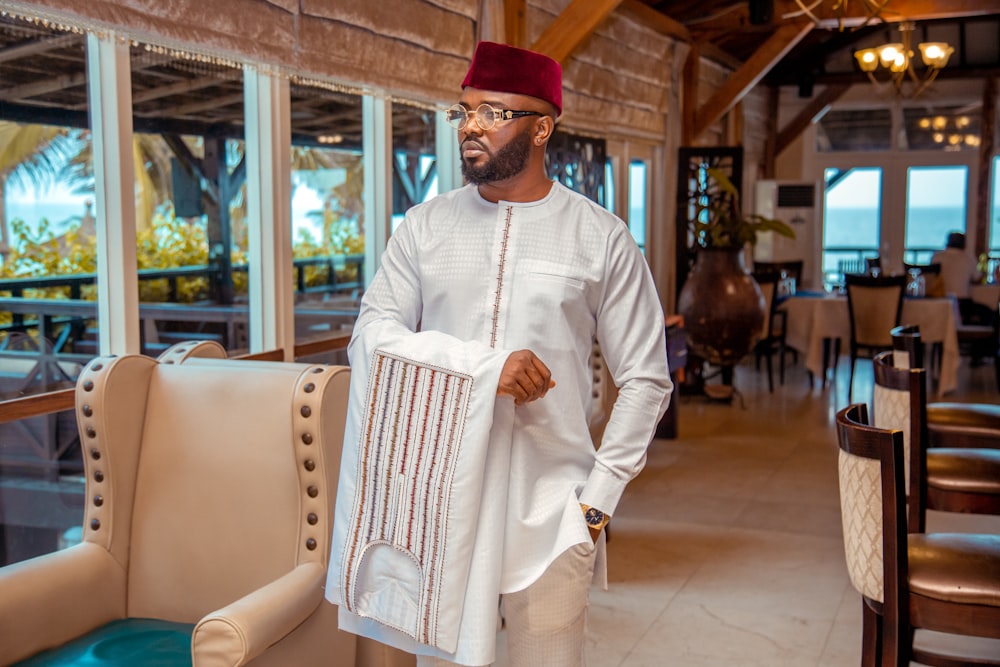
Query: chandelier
point(840, 10)
point(899, 57)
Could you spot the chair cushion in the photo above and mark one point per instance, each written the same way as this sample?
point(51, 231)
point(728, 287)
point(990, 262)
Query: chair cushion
point(963, 424)
point(131, 642)
point(966, 470)
point(956, 567)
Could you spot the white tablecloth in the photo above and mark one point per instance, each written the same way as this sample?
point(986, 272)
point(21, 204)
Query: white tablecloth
point(811, 319)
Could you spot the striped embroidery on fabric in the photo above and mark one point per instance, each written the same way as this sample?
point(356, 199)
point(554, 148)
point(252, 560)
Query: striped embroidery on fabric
point(408, 449)
point(500, 270)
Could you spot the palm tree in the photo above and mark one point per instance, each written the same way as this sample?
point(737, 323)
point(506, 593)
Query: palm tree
point(31, 155)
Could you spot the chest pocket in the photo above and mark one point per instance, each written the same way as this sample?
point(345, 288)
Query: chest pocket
point(554, 296)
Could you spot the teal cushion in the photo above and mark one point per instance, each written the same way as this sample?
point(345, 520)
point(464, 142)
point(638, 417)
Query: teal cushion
point(132, 642)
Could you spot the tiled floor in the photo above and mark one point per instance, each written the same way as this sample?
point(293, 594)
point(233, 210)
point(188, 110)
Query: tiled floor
point(727, 551)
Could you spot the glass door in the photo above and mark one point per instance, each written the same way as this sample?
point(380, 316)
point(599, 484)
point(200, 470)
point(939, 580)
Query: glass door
point(936, 202)
point(852, 212)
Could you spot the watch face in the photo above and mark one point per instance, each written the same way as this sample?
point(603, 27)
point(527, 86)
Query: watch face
point(594, 517)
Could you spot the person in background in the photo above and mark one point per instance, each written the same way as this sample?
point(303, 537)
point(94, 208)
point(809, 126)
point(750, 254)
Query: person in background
point(501, 286)
point(958, 268)
point(959, 271)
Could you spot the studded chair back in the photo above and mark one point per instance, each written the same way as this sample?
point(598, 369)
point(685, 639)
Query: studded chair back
point(209, 479)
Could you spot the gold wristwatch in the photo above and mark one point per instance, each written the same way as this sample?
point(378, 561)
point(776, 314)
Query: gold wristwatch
point(595, 518)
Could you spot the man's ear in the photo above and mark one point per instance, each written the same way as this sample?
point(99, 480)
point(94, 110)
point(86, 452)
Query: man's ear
point(543, 129)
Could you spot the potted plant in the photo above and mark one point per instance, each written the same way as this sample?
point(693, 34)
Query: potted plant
point(721, 303)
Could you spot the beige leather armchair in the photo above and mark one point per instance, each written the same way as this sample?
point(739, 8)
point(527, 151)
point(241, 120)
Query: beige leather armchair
point(209, 498)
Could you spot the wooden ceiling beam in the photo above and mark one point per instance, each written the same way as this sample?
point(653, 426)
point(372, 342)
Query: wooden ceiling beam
point(812, 111)
point(515, 18)
point(573, 25)
point(184, 86)
point(661, 23)
point(40, 46)
point(44, 87)
point(722, 57)
point(894, 11)
point(747, 76)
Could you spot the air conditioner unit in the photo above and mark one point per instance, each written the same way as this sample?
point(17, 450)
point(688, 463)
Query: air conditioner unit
point(796, 204)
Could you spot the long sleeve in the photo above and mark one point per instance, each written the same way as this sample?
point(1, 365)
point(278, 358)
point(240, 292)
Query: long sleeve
point(630, 330)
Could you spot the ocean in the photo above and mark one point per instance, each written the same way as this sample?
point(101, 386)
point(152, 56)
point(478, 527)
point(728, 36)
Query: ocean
point(859, 227)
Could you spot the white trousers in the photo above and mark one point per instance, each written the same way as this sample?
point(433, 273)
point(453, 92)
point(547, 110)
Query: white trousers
point(546, 621)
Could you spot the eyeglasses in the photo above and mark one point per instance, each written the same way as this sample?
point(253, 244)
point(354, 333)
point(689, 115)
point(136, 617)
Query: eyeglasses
point(485, 115)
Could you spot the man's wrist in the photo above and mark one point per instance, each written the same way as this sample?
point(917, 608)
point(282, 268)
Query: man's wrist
point(595, 518)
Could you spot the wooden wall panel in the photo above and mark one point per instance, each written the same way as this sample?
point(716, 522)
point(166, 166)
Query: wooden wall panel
point(358, 55)
point(618, 78)
point(415, 22)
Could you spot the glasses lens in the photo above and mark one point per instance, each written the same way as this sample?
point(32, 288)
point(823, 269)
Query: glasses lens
point(486, 116)
point(457, 116)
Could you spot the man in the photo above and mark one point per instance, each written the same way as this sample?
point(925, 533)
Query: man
point(468, 469)
point(958, 268)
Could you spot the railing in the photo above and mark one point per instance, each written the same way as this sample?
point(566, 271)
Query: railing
point(843, 259)
point(75, 282)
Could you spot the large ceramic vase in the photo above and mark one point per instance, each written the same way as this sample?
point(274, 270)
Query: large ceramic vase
point(723, 307)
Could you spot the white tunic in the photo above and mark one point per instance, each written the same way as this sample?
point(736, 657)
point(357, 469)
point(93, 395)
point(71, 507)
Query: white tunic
point(479, 280)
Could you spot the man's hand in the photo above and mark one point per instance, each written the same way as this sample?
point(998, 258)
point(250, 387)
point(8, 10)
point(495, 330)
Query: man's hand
point(524, 377)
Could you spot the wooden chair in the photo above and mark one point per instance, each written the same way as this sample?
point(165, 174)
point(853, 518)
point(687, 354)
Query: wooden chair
point(791, 268)
point(210, 485)
point(981, 342)
point(948, 479)
point(874, 305)
point(949, 424)
point(943, 582)
point(772, 339)
point(926, 269)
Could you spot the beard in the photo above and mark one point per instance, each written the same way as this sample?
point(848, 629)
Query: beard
point(508, 161)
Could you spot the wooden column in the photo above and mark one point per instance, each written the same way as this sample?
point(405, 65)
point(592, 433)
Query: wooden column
point(514, 19)
point(767, 167)
point(986, 148)
point(689, 95)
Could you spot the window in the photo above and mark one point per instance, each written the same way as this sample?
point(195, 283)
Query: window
point(948, 129)
point(609, 184)
point(854, 130)
point(48, 248)
point(414, 160)
point(328, 242)
point(191, 202)
point(638, 201)
point(851, 215)
point(995, 210)
point(935, 205)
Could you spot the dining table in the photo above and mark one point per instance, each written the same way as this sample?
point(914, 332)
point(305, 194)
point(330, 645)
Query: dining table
point(816, 322)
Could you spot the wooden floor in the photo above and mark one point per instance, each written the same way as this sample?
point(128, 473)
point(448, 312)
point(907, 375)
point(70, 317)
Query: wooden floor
point(727, 549)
